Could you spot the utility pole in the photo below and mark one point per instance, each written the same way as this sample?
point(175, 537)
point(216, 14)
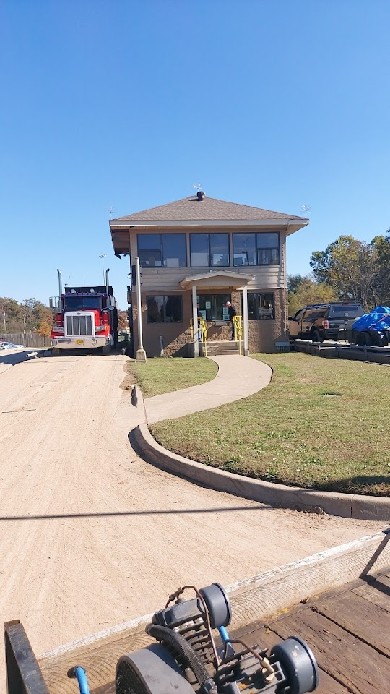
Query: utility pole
point(140, 354)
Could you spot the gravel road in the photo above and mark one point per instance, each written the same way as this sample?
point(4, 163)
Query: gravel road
point(90, 535)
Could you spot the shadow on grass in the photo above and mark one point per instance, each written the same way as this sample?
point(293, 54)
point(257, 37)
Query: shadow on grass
point(372, 485)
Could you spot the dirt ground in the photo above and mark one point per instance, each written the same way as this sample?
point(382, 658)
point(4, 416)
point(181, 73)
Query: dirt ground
point(90, 535)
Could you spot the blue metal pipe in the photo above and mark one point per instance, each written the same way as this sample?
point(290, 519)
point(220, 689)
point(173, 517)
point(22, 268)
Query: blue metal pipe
point(223, 632)
point(79, 673)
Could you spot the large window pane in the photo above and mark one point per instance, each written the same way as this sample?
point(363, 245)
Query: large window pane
point(164, 309)
point(269, 240)
point(157, 250)
point(199, 250)
point(210, 306)
point(173, 309)
point(244, 249)
point(268, 249)
point(260, 306)
point(219, 250)
point(155, 309)
point(149, 250)
point(174, 250)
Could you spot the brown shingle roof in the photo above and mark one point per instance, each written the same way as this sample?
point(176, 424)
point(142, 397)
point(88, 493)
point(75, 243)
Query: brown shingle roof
point(192, 209)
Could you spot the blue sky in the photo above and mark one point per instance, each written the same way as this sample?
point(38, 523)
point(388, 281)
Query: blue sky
point(114, 106)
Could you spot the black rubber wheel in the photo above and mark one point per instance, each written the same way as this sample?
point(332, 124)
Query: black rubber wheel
point(150, 670)
point(364, 340)
point(298, 664)
point(218, 605)
point(316, 336)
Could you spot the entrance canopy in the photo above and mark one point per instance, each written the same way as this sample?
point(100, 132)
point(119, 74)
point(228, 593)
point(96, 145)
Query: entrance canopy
point(216, 280)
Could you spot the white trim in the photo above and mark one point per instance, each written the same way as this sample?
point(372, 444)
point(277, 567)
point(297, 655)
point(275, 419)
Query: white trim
point(227, 275)
point(289, 226)
point(195, 321)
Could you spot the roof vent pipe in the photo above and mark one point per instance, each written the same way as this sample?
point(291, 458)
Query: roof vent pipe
point(200, 194)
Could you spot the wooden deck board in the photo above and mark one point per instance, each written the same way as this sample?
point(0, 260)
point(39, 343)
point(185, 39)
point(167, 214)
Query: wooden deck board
point(360, 618)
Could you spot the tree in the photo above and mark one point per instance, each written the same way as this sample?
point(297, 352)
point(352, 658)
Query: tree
point(123, 321)
point(19, 317)
point(44, 328)
point(293, 282)
point(350, 267)
point(381, 246)
point(307, 291)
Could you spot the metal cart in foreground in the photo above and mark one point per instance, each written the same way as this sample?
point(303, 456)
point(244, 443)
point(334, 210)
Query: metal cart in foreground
point(192, 652)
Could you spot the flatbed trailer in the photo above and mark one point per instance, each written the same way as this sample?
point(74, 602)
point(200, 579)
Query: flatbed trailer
point(339, 601)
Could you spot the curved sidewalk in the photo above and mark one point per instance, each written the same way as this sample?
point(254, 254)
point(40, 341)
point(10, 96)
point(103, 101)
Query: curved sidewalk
point(238, 377)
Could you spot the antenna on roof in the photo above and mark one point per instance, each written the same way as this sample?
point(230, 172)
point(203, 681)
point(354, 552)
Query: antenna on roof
point(199, 191)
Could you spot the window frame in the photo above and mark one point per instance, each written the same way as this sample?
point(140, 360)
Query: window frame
point(258, 248)
point(257, 316)
point(161, 250)
point(210, 252)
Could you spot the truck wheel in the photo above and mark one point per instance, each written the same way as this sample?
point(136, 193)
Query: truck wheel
point(316, 336)
point(364, 340)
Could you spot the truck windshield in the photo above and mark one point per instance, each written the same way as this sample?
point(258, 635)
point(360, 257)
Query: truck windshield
point(80, 303)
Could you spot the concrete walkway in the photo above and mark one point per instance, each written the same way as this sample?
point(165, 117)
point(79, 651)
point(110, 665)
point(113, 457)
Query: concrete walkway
point(237, 378)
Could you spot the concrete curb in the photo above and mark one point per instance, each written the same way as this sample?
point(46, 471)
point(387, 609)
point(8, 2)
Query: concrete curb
point(335, 504)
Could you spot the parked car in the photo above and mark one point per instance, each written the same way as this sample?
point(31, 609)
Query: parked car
point(372, 328)
point(319, 322)
point(10, 345)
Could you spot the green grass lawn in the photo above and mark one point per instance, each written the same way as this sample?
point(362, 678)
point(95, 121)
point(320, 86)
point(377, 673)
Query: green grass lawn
point(164, 375)
point(320, 424)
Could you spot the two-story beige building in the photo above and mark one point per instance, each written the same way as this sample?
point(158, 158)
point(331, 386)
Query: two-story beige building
point(195, 255)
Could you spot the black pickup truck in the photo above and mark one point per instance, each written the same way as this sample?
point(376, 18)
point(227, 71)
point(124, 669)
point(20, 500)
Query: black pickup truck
point(319, 322)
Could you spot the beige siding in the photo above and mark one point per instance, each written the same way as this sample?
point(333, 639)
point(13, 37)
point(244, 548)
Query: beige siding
point(177, 337)
point(168, 279)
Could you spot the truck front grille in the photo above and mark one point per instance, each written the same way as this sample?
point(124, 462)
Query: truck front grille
point(79, 325)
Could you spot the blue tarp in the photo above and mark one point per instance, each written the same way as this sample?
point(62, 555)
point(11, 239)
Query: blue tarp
point(377, 319)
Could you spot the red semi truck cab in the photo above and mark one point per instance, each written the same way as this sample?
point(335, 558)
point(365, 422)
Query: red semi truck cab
point(85, 318)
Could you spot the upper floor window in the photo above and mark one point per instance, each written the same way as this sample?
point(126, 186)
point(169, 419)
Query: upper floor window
point(162, 250)
point(209, 250)
point(256, 249)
